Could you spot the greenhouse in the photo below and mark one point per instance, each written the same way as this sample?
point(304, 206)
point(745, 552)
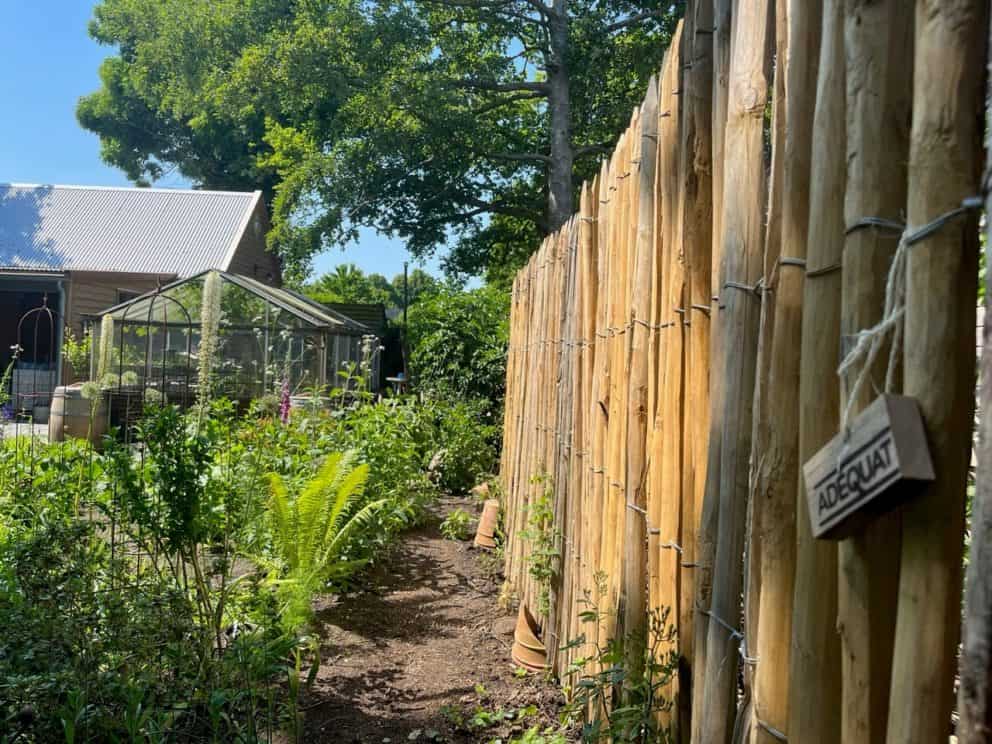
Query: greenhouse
point(256, 339)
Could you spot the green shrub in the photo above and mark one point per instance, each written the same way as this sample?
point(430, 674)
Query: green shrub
point(458, 342)
point(93, 649)
point(457, 525)
point(132, 612)
point(467, 437)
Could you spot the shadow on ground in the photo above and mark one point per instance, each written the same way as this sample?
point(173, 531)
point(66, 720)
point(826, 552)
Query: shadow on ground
point(423, 634)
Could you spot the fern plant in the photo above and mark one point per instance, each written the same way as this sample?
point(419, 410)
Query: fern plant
point(311, 532)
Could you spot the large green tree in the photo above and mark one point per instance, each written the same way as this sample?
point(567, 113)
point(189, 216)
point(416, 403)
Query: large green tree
point(348, 283)
point(459, 122)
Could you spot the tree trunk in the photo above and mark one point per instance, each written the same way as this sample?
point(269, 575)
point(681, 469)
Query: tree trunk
point(560, 196)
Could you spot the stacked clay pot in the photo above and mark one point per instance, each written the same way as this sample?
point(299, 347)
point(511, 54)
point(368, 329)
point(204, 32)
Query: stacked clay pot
point(485, 533)
point(528, 651)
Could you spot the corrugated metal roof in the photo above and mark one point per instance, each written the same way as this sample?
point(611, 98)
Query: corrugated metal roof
point(148, 231)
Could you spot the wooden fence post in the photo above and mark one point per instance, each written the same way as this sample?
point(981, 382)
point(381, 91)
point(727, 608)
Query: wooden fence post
point(666, 443)
point(975, 691)
point(720, 14)
point(778, 462)
point(879, 76)
point(743, 242)
point(601, 399)
point(814, 665)
point(761, 414)
point(590, 510)
point(941, 281)
point(635, 540)
point(612, 549)
point(698, 238)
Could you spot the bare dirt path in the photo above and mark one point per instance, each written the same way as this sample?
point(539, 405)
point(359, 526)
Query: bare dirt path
point(420, 650)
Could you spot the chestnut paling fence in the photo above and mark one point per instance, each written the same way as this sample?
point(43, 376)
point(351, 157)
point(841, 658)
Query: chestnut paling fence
point(796, 190)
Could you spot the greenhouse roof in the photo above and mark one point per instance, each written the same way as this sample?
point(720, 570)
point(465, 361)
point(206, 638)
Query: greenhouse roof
point(297, 305)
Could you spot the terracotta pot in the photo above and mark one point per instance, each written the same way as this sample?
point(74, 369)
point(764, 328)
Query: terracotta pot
point(526, 632)
point(489, 519)
point(528, 651)
point(530, 659)
point(484, 541)
point(480, 491)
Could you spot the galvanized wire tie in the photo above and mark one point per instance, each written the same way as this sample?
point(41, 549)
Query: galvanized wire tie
point(756, 289)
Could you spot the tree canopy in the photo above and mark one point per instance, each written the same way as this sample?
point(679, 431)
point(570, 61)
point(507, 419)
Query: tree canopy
point(348, 283)
point(459, 122)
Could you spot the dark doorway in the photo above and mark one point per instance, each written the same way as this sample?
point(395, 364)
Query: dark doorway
point(36, 332)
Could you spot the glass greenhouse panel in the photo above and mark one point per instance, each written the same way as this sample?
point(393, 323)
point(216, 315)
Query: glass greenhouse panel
point(264, 337)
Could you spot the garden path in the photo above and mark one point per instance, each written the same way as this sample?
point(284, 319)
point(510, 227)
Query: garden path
point(408, 649)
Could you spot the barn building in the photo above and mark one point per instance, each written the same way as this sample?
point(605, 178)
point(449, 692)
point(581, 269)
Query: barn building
point(78, 250)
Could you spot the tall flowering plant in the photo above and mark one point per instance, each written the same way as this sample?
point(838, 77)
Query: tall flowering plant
point(284, 401)
point(209, 329)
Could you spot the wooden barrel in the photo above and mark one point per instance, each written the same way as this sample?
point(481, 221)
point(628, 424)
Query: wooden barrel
point(70, 416)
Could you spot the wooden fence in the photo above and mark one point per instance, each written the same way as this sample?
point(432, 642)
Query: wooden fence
point(674, 361)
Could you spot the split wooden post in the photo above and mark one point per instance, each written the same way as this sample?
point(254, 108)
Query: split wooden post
point(560, 597)
point(941, 282)
point(635, 540)
point(761, 414)
point(879, 77)
point(600, 404)
point(814, 664)
point(719, 13)
point(778, 464)
point(743, 242)
point(590, 510)
point(698, 237)
point(657, 347)
point(666, 452)
point(975, 691)
point(616, 426)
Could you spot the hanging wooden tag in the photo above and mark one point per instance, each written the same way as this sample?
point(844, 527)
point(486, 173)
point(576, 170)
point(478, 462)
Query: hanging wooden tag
point(883, 461)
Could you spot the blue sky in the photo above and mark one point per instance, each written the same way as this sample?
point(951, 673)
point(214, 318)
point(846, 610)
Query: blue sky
point(49, 62)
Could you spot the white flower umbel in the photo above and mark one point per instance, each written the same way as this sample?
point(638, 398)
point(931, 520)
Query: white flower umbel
point(209, 327)
point(106, 350)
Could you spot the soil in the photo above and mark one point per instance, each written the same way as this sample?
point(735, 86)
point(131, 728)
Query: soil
point(420, 649)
